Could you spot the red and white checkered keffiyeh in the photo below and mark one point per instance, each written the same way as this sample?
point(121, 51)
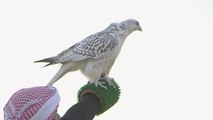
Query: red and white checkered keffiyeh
point(36, 103)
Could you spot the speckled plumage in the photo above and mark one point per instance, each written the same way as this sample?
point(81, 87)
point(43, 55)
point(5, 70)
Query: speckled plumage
point(94, 55)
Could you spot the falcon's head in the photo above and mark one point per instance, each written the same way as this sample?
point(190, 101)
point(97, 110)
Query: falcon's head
point(131, 25)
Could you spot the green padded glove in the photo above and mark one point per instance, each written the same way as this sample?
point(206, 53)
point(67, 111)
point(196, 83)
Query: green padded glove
point(107, 97)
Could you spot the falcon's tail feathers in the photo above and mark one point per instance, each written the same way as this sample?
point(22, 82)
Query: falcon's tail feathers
point(51, 60)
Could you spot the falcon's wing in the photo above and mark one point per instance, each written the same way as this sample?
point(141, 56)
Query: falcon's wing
point(92, 47)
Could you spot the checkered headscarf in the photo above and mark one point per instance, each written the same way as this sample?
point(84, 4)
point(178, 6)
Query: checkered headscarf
point(36, 103)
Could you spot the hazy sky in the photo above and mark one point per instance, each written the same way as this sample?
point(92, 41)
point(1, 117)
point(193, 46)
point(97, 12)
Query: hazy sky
point(165, 72)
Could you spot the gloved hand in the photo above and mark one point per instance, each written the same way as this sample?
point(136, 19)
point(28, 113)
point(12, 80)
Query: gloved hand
point(93, 101)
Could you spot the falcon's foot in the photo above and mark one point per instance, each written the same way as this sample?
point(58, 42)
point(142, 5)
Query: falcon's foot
point(100, 83)
point(109, 81)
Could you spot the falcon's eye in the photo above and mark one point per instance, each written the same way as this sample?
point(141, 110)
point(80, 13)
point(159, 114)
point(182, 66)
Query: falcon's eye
point(137, 23)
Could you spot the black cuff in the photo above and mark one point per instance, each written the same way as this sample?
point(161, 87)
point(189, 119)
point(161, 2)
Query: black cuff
point(86, 109)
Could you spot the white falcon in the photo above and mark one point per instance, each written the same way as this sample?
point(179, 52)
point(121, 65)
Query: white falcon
point(94, 55)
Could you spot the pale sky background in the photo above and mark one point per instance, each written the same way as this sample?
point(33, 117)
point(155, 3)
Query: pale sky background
point(165, 72)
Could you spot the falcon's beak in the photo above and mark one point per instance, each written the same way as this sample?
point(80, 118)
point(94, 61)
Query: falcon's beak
point(139, 28)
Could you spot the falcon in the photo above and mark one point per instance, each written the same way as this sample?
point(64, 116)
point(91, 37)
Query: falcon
point(94, 56)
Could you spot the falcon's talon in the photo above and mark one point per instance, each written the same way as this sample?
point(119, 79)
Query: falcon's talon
point(109, 81)
point(100, 83)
